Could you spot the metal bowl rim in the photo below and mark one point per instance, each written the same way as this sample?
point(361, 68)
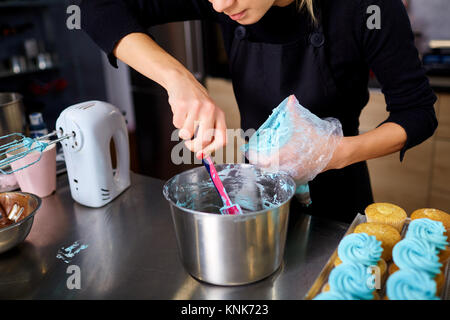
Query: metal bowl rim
point(250, 214)
point(18, 98)
point(18, 223)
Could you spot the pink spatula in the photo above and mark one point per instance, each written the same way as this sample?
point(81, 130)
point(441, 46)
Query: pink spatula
point(228, 208)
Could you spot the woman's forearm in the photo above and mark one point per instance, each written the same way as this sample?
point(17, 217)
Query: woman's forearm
point(194, 112)
point(140, 52)
point(386, 139)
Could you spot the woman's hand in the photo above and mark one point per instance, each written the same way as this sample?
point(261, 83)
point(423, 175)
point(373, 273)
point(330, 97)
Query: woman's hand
point(296, 142)
point(191, 105)
point(202, 124)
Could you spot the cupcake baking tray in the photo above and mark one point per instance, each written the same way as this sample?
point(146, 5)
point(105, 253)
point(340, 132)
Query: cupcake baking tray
point(322, 279)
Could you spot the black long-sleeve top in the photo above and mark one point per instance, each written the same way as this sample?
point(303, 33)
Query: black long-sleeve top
point(353, 49)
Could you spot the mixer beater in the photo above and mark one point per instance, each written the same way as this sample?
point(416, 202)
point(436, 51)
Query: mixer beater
point(21, 146)
point(18, 148)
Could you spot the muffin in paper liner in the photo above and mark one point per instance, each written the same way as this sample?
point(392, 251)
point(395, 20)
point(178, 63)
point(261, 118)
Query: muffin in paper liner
point(433, 214)
point(386, 213)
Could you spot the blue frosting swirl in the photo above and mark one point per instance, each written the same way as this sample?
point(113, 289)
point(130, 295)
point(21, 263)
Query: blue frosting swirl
point(360, 248)
point(430, 231)
point(334, 295)
point(411, 285)
point(353, 279)
point(416, 254)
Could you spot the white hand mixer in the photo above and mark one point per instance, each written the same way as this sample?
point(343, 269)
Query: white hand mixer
point(85, 131)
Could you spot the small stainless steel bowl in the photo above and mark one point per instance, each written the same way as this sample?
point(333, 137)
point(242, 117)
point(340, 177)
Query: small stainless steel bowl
point(14, 234)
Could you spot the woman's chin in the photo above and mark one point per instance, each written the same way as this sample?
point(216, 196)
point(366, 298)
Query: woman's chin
point(248, 20)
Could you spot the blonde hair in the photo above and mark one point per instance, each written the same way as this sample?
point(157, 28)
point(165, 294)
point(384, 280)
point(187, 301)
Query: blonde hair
point(309, 6)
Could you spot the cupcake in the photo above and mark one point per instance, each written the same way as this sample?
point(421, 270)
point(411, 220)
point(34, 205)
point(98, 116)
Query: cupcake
point(337, 261)
point(376, 296)
point(386, 213)
point(439, 278)
point(334, 295)
point(388, 236)
point(444, 255)
point(393, 268)
point(360, 248)
point(381, 264)
point(430, 231)
point(433, 214)
point(410, 285)
point(353, 279)
point(418, 255)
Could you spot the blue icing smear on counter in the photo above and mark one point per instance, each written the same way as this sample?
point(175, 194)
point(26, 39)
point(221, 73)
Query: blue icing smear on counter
point(67, 254)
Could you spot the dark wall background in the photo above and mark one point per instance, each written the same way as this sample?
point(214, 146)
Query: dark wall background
point(77, 75)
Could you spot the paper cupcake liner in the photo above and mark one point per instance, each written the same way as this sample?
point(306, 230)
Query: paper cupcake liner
point(396, 224)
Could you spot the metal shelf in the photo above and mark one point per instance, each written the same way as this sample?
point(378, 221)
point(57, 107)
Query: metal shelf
point(4, 75)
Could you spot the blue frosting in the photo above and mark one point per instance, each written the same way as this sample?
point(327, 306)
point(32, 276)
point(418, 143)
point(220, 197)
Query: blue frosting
point(416, 254)
point(429, 230)
point(353, 279)
point(411, 285)
point(360, 248)
point(302, 188)
point(334, 295)
point(273, 133)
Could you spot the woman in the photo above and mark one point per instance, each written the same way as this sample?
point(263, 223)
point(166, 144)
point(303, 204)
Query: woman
point(319, 50)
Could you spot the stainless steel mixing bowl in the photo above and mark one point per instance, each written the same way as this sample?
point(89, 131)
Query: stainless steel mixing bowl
point(12, 235)
point(230, 249)
point(12, 114)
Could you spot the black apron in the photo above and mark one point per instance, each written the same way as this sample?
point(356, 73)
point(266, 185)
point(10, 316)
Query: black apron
point(264, 74)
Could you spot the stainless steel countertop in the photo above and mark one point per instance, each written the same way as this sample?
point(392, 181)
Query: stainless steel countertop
point(132, 252)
